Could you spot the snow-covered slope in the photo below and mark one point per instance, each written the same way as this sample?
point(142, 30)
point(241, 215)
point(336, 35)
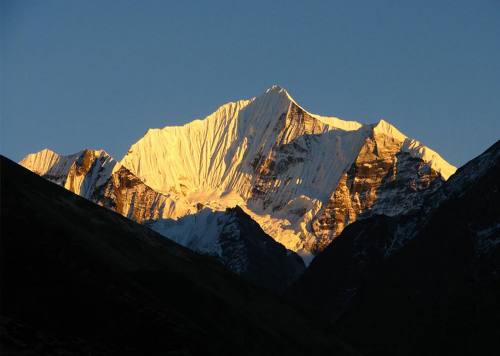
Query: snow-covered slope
point(283, 165)
point(303, 177)
point(219, 154)
point(95, 175)
point(81, 172)
point(238, 242)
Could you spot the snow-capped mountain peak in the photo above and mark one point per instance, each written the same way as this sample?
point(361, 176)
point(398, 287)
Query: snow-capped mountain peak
point(282, 165)
point(276, 88)
point(302, 176)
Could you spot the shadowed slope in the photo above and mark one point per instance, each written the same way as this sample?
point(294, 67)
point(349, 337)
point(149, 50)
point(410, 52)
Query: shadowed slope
point(420, 284)
point(238, 242)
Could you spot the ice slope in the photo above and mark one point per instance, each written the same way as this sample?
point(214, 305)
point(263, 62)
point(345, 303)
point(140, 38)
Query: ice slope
point(216, 154)
point(276, 160)
point(49, 164)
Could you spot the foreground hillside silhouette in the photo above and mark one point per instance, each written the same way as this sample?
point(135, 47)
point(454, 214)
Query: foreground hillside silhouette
point(426, 283)
point(80, 279)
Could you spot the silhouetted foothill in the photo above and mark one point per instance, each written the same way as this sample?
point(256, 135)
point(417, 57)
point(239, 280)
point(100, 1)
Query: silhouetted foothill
point(78, 278)
point(425, 283)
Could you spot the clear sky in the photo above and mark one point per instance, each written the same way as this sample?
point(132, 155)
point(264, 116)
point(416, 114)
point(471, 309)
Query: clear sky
point(97, 74)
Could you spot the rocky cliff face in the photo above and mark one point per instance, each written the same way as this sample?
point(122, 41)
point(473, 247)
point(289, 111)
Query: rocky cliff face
point(384, 179)
point(126, 194)
point(95, 175)
point(303, 177)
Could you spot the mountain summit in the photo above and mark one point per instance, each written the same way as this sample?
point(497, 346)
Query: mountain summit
point(303, 177)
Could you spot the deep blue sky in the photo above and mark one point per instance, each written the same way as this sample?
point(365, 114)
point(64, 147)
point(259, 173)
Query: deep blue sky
point(97, 74)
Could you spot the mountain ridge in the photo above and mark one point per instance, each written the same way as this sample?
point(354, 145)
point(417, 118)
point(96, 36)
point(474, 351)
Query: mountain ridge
point(269, 136)
point(285, 167)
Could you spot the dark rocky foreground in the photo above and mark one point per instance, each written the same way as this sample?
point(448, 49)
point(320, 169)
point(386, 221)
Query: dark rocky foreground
point(421, 284)
point(77, 278)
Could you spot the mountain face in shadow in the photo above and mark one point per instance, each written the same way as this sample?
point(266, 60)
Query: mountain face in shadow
point(426, 283)
point(238, 242)
point(80, 279)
